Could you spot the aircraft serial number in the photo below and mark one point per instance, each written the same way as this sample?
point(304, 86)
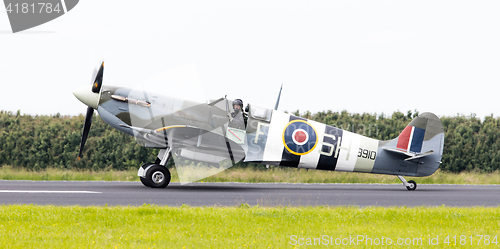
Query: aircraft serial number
point(369, 154)
point(26, 8)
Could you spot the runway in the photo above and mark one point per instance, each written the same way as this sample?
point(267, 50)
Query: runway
point(233, 194)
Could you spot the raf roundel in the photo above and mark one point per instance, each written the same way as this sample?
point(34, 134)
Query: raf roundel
point(299, 137)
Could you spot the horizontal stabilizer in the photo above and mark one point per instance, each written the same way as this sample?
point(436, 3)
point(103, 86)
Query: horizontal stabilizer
point(402, 152)
point(430, 152)
point(411, 156)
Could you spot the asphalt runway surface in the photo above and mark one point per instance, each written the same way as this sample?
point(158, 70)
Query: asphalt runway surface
point(233, 194)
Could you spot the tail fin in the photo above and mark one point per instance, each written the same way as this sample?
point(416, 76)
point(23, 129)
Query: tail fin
point(423, 134)
point(422, 140)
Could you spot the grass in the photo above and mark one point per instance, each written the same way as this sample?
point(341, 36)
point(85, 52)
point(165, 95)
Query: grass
point(251, 175)
point(244, 226)
point(319, 176)
point(148, 226)
point(53, 174)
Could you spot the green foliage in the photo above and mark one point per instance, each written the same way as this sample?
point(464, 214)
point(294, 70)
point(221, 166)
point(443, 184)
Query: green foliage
point(39, 142)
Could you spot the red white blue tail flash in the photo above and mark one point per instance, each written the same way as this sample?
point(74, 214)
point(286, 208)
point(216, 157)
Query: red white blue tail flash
point(411, 139)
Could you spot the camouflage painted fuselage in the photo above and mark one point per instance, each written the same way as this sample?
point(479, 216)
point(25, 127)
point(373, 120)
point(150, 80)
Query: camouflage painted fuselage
point(331, 148)
point(271, 137)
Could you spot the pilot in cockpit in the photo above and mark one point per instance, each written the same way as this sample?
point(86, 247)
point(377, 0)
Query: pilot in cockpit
point(239, 117)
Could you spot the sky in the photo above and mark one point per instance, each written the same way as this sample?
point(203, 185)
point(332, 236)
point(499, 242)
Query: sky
point(360, 56)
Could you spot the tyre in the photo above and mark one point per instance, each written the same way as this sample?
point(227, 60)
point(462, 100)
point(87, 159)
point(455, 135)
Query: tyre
point(157, 177)
point(412, 185)
point(143, 179)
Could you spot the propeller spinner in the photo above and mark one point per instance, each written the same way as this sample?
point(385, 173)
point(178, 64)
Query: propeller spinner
point(90, 97)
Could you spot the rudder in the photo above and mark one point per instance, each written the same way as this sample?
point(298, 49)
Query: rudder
point(424, 135)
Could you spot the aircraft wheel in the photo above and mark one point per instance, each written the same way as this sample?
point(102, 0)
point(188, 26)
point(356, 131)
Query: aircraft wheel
point(412, 185)
point(157, 177)
point(143, 179)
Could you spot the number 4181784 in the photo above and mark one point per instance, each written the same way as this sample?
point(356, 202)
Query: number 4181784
point(26, 8)
point(464, 240)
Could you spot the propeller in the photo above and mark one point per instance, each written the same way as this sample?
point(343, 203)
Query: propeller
point(96, 86)
point(86, 129)
point(86, 97)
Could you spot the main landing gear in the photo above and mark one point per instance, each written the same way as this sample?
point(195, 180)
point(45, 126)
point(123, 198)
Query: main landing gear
point(156, 175)
point(410, 185)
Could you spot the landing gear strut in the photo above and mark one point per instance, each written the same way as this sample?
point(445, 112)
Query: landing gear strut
point(410, 185)
point(156, 175)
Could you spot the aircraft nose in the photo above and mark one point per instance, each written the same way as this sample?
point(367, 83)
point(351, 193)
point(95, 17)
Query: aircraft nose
point(86, 96)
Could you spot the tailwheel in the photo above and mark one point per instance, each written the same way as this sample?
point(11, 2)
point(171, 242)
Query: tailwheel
point(157, 177)
point(412, 185)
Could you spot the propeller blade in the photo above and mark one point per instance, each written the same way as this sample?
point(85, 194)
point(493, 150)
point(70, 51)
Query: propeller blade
point(86, 129)
point(94, 74)
point(96, 85)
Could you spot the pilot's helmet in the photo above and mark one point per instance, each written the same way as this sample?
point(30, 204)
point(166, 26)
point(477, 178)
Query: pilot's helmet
point(238, 102)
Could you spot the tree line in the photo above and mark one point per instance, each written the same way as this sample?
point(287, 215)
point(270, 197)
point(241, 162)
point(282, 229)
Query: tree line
point(38, 142)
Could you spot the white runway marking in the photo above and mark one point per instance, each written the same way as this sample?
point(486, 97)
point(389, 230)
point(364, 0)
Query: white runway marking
point(50, 191)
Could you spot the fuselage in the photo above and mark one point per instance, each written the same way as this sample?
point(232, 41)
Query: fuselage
point(270, 137)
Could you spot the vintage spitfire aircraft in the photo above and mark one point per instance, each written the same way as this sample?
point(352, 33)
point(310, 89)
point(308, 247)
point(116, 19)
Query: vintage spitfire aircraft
point(215, 134)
